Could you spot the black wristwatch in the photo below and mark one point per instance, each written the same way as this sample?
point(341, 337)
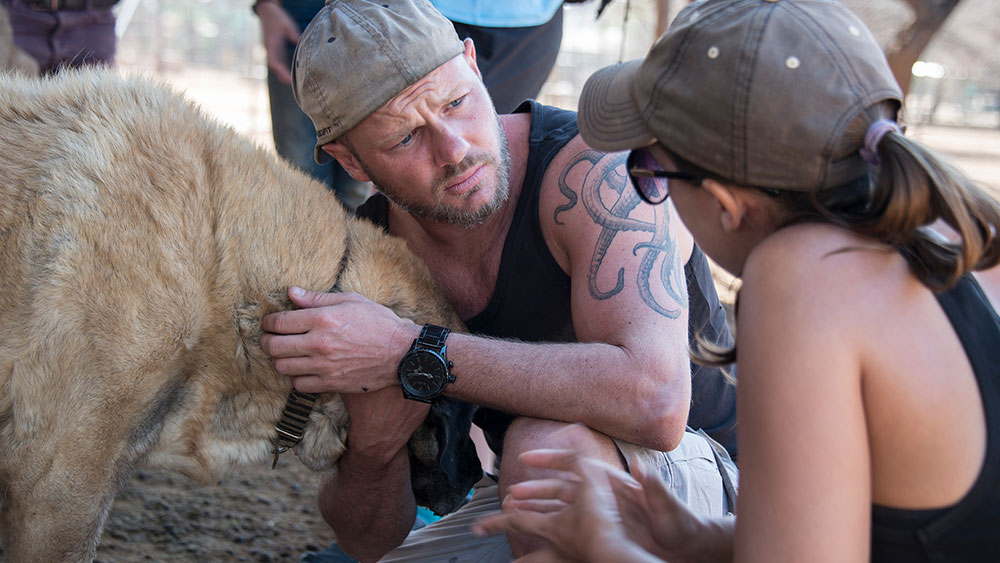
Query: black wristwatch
point(425, 371)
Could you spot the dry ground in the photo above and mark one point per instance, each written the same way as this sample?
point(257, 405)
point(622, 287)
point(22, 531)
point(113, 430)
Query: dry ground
point(255, 514)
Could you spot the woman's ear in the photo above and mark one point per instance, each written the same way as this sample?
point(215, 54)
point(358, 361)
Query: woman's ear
point(729, 204)
point(346, 158)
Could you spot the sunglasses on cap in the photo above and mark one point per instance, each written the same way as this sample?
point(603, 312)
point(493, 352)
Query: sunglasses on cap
point(650, 179)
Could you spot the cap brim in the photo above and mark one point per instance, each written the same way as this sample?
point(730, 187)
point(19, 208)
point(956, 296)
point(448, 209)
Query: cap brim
point(608, 115)
point(321, 156)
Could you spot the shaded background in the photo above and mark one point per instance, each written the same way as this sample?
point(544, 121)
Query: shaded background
point(211, 49)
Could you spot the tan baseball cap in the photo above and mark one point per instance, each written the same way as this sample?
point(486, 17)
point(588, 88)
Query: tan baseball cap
point(756, 91)
point(356, 55)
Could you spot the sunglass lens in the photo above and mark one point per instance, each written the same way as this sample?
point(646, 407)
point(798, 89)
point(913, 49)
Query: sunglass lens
point(652, 189)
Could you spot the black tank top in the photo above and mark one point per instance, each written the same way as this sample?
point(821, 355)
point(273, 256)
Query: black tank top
point(531, 301)
point(970, 529)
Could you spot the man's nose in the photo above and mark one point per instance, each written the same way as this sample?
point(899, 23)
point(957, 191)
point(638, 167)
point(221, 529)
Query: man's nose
point(450, 146)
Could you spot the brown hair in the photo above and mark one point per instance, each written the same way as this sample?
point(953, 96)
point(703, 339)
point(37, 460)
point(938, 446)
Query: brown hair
point(909, 189)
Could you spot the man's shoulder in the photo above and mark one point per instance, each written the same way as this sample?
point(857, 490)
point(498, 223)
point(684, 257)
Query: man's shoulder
point(548, 122)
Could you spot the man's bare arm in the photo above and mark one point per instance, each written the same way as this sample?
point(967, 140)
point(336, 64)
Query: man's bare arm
point(368, 499)
point(629, 375)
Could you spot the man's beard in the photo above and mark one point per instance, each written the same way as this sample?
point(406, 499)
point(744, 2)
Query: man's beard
point(442, 213)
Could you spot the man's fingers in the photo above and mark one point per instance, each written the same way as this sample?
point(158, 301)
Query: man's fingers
point(309, 384)
point(302, 320)
point(288, 322)
point(305, 298)
point(296, 366)
point(281, 345)
point(279, 69)
point(292, 34)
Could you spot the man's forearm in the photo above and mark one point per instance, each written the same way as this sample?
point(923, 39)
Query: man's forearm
point(641, 398)
point(369, 505)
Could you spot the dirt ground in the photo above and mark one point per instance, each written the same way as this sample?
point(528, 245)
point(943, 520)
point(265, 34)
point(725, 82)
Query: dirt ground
point(255, 514)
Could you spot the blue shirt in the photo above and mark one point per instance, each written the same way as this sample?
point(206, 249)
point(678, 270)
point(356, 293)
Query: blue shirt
point(496, 13)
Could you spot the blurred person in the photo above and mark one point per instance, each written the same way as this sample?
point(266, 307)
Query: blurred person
point(517, 43)
point(868, 335)
point(64, 33)
point(11, 56)
point(577, 300)
point(294, 136)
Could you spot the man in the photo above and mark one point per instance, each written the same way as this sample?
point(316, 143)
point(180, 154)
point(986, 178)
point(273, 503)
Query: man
point(531, 235)
point(522, 39)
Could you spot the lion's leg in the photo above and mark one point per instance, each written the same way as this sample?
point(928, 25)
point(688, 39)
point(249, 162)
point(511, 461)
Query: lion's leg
point(57, 500)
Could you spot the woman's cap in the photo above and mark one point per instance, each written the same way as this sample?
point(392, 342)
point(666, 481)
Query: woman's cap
point(356, 55)
point(758, 92)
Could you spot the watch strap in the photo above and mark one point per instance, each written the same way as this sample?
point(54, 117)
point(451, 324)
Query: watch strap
point(433, 336)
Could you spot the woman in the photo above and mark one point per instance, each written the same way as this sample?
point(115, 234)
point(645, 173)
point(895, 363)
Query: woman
point(869, 398)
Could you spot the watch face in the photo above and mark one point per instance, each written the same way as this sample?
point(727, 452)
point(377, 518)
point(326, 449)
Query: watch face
point(422, 373)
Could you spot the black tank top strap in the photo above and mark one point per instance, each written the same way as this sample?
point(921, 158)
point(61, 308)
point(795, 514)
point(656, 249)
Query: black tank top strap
point(376, 210)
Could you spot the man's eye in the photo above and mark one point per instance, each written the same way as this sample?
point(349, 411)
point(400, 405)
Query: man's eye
point(406, 140)
point(456, 102)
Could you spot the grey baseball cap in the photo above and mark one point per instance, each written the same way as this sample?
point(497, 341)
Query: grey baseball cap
point(756, 91)
point(356, 55)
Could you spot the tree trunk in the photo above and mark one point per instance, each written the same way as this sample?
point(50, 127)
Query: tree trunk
point(930, 15)
point(662, 18)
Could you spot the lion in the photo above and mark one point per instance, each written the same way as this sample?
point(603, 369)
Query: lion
point(141, 242)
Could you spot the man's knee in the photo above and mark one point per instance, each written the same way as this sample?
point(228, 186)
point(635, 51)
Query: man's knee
point(526, 434)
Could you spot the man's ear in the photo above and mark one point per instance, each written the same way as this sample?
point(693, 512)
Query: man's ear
point(346, 158)
point(470, 56)
point(730, 206)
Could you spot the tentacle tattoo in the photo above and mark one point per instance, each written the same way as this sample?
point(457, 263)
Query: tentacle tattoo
point(608, 170)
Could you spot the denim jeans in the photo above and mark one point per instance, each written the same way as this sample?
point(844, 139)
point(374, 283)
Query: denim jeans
point(295, 140)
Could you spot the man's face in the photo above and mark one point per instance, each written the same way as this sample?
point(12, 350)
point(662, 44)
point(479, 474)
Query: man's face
point(437, 149)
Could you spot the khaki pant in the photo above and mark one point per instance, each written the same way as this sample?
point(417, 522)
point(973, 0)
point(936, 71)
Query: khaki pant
point(691, 470)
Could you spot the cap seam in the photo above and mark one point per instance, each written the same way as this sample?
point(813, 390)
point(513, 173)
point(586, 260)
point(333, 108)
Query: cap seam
point(843, 66)
point(739, 128)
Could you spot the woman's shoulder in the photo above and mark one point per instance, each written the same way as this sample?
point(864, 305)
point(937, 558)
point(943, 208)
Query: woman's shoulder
point(821, 267)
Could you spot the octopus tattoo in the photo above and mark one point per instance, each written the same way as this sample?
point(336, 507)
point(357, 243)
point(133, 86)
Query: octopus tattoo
point(608, 170)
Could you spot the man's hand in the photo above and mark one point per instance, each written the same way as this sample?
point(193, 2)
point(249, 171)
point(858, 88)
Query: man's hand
point(337, 342)
point(277, 28)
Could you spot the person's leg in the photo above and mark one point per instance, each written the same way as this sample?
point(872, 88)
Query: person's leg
point(448, 539)
point(31, 31)
point(515, 61)
point(692, 471)
point(527, 434)
point(451, 539)
point(84, 37)
point(295, 141)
